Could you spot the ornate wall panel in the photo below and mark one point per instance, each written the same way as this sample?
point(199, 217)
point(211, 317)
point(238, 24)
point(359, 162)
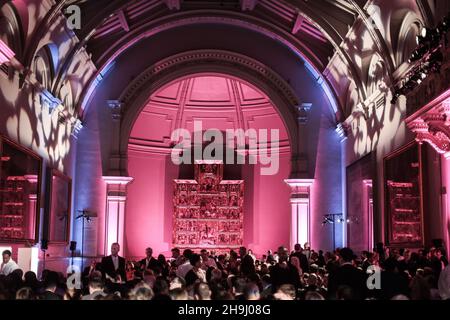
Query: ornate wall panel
point(208, 211)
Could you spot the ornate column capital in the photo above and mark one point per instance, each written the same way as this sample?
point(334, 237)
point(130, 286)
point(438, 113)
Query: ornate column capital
point(116, 185)
point(300, 188)
point(432, 124)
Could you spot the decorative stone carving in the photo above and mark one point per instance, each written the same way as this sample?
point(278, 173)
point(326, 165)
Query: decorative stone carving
point(218, 57)
point(432, 124)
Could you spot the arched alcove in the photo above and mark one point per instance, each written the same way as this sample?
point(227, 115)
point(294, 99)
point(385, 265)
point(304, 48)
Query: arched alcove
point(220, 102)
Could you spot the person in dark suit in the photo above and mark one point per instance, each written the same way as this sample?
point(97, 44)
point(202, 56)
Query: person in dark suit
point(347, 276)
point(284, 272)
point(149, 262)
point(113, 266)
point(301, 257)
point(50, 287)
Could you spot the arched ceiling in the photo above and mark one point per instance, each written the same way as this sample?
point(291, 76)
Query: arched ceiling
point(318, 25)
point(218, 101)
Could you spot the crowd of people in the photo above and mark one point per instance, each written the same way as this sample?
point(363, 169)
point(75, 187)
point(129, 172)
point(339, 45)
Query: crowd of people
point(303, 274)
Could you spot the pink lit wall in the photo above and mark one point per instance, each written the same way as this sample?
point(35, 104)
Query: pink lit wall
point(270, 219)
point(149, 207)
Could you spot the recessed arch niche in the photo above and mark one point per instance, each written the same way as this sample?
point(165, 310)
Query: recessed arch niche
point(221, 102)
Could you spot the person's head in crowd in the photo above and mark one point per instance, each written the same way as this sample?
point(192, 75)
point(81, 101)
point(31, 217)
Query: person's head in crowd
point(223, 295)
point(161, 287)
point(221, 258)
point(6, 255)
point(307, 246)
point(141, 292)
point(148, 253)
point(187, 254)
point(95, 284)
point(242, 252)
point(390, 264)
point(18, 273)
point(312, 280)
point(205, 254)
point(177, 282)
point(400, 297)
point(162, 259)
point(346, 255)
point(313, 295)
point(179, 294)
point(175, 253)
point(264, 268)
point(283, 254)
point(344, 293)
point(149, 277)
point(216, 275)
point(407, 254)
point(25, 294)
point(51, 282)
point(234, 255)
point(238, 284)
point(30, 279)
point(251, 292)
point(285, 292)
point(438, 253)
point(195, 260)
point(266, 280)
point(112, 296)
point(115, 249)
point(297, 247)
point(295, 262)
point(202, 291)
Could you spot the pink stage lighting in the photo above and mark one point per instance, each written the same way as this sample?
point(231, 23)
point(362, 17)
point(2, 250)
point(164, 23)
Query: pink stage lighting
point(6, 54)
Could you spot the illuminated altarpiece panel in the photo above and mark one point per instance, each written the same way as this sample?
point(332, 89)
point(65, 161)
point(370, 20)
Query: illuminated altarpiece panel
point(208, 211)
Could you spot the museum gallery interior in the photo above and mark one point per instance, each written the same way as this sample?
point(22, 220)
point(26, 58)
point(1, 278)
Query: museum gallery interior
point(223, 124)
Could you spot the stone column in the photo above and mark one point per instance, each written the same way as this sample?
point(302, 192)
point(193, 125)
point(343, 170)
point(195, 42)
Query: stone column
point(116, 197)
point(299, 162)
point(300, 210)
point(368, 211)
point(32, 203)
point(116, 160)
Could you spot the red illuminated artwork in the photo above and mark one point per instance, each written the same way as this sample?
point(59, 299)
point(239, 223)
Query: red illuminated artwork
point(208, 211)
